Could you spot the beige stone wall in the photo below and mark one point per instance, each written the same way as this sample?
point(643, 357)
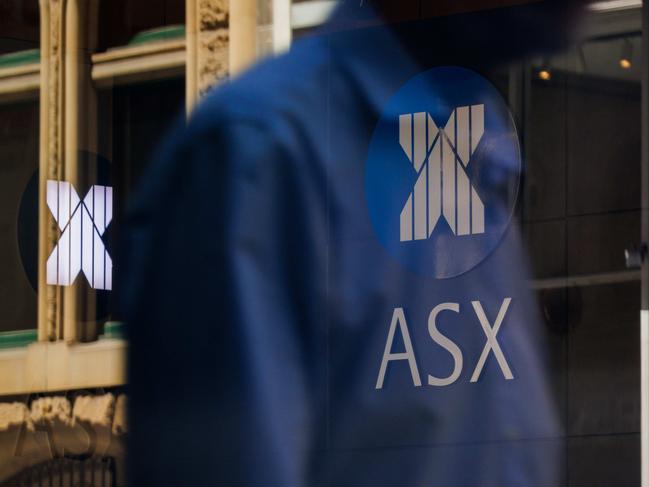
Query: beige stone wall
point(35, 431)
point(221, 41)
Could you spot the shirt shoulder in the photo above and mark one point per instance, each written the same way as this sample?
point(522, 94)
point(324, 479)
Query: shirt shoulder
point(286, 90)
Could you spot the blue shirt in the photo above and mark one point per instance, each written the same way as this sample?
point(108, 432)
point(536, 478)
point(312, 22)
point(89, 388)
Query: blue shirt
point(260, 300)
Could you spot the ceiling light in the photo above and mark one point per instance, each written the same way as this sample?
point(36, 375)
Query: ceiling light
point(545, 72)
point(626, 57)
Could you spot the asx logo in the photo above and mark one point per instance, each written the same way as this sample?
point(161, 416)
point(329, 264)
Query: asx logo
point(442, 189)
point(80, 247)
point(442, 172)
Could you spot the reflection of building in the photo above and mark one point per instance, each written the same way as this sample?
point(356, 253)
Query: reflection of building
point(87, 88)
point(111, 75)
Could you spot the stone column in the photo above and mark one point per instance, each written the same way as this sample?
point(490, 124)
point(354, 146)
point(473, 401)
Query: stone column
point(221, 40)
point(243, 34)
point(50, 298)
point(207, 46)
point(67, 125)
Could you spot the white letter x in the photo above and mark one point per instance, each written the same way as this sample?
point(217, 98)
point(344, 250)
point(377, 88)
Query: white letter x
point(80, 247)
point(492, 343)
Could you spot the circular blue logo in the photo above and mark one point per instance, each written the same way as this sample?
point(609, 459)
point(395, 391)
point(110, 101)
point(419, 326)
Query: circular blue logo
point(443, 172)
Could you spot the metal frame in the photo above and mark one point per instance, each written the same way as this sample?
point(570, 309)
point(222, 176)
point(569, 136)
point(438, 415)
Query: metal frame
point(644, 311)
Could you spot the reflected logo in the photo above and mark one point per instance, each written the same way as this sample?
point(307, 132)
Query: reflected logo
point(80, 247)
point(440, 158)
point(442, 172)
point(491, 345)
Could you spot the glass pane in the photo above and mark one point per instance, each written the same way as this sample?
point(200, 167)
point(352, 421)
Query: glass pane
point(19, 215)
point(402, 253)
point(19, 129)
point(581, 210)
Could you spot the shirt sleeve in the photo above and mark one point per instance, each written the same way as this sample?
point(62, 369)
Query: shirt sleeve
point(223, 323)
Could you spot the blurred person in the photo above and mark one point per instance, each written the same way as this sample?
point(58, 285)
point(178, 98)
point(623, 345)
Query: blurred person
point(288, 325)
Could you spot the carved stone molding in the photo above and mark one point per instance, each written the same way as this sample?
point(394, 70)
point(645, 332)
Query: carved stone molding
point(213, 41)
point(51, 155)
point(14, 414)
point(52, 426)
point(207, 46)
point(221, 41)
point(212, 58)
point(55, 86)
